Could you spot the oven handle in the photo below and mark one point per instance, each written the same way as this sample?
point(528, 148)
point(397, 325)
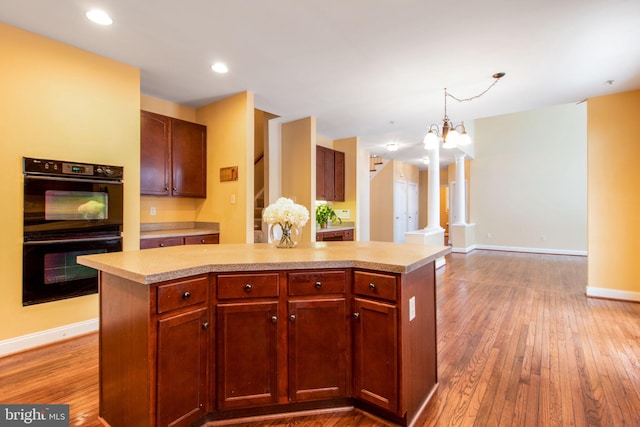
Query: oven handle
point(59, 178)
point(85, 239)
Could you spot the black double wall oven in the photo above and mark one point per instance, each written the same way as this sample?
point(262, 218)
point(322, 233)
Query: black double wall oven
point(70, 209)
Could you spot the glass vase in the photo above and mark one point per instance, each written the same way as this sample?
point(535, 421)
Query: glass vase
point(284, 235)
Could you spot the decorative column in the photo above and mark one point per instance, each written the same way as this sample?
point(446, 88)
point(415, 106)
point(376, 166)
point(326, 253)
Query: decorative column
point(433, 195)
point(461, 193)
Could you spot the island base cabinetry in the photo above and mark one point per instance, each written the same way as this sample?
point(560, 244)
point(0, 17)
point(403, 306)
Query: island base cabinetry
point(228, 345)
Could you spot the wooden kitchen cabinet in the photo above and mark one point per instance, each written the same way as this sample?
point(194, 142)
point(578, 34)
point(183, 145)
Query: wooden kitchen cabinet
point(182, 368)
point(247, 340)
point(375, 349)
point(173, 160)
point(318, 335)
point(330, 172)
point(162, 242)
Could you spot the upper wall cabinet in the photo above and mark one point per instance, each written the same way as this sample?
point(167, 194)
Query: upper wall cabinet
point(329, 174)
point(173, 157)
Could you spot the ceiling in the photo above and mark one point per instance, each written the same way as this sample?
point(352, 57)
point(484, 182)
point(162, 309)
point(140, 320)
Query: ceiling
point(375, 69)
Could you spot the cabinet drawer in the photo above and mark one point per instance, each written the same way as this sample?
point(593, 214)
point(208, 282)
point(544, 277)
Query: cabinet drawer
point(247, 285)
point(375, 285)
point(206, 239)
point(182, 294)
point(160, 242)
point(348, 235)
point(317, 282)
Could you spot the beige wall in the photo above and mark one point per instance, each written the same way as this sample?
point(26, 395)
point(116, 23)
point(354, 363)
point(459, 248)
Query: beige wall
point(381, 204)
point(298, 166)
point(230, 134)
point(614, 195)
point(529, 180)
point(62, 103)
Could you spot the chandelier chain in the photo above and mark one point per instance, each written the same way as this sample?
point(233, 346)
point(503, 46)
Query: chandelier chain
point(473, 97)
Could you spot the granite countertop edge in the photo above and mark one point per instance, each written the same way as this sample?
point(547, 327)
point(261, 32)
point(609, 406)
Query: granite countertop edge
point(147, 267)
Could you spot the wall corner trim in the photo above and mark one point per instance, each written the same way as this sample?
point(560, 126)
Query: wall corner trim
point(25, 342)
point(615, 294)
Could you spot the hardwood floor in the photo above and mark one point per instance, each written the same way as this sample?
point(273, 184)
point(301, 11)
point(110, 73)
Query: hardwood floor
point(518, 345)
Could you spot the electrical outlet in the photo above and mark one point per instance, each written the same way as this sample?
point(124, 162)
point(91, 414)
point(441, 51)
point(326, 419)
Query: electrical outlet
point(152, 211)
point(233, 199)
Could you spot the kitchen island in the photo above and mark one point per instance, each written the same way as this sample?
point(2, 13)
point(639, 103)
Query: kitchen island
point(191, 334)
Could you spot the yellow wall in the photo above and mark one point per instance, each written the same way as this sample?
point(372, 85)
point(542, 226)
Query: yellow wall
point(613, 198)
point(349, 146)
point(62, 103)
point(298, 166)
point(230, 134)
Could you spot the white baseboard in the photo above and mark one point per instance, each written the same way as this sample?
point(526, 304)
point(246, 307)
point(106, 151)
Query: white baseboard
point(613, 294)
point(440, 262)
point(531, 250)
point(464, 250)
point(37, 339)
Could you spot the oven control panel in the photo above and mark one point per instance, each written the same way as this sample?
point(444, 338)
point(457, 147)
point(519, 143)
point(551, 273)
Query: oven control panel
point(64, 168)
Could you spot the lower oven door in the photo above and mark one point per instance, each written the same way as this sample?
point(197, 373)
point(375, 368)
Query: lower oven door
point(50, 271)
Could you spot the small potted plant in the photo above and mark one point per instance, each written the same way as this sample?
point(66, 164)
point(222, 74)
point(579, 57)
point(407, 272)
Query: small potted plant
point(324, 214)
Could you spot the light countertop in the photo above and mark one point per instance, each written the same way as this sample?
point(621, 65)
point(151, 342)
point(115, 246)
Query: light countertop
point(175, 229)
point(157, 265)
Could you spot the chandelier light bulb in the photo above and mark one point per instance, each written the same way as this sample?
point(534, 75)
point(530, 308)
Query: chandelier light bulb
point(430, 141)
point(464, 139)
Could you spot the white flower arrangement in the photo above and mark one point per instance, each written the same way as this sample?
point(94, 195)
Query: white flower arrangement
point(286, 213)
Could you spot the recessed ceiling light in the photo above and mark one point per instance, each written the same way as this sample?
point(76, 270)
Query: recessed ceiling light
point(220, 67)
point(99, 17)
point(392, 146)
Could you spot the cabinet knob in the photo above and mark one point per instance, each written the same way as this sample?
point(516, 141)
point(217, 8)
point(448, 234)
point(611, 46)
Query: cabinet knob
point(161, 245)
point(372, 286)
point(166, 188)
point(186, 295)
point(248, 287)
point(292, 317)
point(202, 241)
point(205, 325)
point(356, 316)
point(274, 319)
point(175, 188)
point(318, 285)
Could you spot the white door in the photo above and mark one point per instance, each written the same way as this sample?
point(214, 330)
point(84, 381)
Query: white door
point(400, 214)
point(412, 206)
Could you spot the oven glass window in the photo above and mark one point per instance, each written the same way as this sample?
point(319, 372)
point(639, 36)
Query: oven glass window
point(62, 267)
point(75, 205)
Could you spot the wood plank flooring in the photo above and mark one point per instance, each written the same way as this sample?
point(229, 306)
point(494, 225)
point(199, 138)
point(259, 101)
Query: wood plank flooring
point(518, 345)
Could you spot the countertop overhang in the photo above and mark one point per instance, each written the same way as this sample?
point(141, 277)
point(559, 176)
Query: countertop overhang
point(151, 266)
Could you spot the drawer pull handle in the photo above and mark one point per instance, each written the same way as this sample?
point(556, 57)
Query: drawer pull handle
point(248, 287)
point(356, 316)
point(292, 317)
point(205, 325)
point(274, 319)
point(372, 286)
point(318, 285)
point(186, 295)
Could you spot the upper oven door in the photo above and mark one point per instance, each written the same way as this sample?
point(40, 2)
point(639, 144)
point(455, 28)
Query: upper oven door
point(58, 206)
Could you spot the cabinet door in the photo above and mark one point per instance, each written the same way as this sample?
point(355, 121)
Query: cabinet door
point(317, 349)
point(206, 239)
point(375, 353)
point(338, 169)
point(182, 368)
point(189, 159)
point(247, 335)
point(329, 174)
point(155, 135)
point(160, 242)
point(320, 172)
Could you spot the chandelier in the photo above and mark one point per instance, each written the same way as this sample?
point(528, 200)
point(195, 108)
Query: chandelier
point(449, 134)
